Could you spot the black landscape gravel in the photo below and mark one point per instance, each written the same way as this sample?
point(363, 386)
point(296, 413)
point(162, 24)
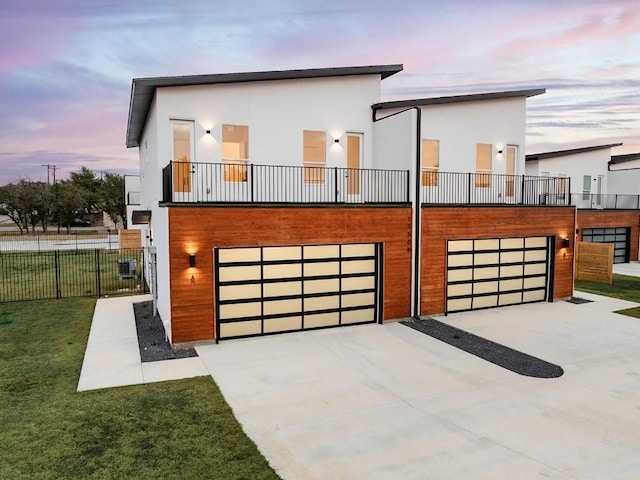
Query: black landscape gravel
point(578, 300)
point(495, 353)
point(151, 338)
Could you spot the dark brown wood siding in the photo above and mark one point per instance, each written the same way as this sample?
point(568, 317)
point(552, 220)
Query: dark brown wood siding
point(199, 229)
point(611, 218)
point(440, 224)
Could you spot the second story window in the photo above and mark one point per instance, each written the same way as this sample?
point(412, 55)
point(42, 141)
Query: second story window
point(182, 138)
point(483, 165)
point(235, 152)
point(430, 162)
point(314, 155)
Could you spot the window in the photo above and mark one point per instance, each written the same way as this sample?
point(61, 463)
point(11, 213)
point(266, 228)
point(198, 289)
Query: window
point(314, 155)
point(235, 152)
point(182, 137)
point(483, 165)
point(586, 187)
point(430, 162)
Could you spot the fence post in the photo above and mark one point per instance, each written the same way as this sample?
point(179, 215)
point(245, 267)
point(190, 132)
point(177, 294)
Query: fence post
point(98, 271)
point(56, 260)
point(76, 235)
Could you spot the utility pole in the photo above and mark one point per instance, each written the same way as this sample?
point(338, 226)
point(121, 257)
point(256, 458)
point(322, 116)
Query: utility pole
point(50, 168)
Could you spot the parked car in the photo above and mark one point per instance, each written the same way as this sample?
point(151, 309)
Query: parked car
point(79, 222)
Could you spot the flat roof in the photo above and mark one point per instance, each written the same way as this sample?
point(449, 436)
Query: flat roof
point(628, 157)
point(571, 151)
point(474, 97)
point(143, 89)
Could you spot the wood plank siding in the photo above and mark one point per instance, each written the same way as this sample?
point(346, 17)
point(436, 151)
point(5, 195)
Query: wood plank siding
point(440, 224)
point(610, 219)
point(199, 229)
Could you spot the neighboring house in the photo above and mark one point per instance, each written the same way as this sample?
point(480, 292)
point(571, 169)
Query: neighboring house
point(608, 205)
point(624, 174)
point(293, 200)
point(131, 195)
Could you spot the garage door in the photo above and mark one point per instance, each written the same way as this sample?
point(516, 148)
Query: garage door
point(490, 273)
point(275, 289)
point(618, 236)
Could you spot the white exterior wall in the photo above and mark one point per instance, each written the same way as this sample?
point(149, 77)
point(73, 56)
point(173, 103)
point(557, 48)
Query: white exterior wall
point(575, 166)
point(460, 126)
point(626, 182)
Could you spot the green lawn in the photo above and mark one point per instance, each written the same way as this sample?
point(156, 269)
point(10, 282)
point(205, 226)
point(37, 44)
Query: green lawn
point(32, 275)
point(623, 287)
point(179, 429)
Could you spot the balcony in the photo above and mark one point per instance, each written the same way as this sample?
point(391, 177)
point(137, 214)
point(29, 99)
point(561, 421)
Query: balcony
point(605, 201)
point(190, 182)
point(450, 188)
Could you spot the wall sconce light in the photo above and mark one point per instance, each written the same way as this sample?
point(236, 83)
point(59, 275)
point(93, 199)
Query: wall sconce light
point(336, 140)
point(208, 132)
point(565, 242)
point(500, 152)
point(192, 260)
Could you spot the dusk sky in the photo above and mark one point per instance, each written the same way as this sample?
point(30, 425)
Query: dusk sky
point(66, 66)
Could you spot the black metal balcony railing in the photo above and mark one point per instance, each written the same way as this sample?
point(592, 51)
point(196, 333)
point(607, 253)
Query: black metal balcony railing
point(605, 201)
point(133, 198)
point(490, 189)
point(190, 182)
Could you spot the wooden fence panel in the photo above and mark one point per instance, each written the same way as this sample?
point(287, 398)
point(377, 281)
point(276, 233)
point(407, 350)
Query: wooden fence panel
point(129, 239)
point(594, 262)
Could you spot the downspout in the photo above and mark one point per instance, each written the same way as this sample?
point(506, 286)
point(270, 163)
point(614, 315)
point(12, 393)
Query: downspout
point(417, 210)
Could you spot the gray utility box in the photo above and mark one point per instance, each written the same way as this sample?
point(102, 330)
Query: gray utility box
point(127, 268)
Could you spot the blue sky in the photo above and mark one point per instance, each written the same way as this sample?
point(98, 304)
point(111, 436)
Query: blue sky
point(66, 66)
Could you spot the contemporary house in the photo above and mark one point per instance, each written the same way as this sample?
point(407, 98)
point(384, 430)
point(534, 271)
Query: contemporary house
point(607, 197)
point(293, 200)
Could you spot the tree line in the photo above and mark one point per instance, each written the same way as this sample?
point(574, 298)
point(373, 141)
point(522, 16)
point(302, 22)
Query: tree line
point(31, 204)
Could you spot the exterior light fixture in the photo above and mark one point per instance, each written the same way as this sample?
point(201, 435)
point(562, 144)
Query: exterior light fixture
point(208, 132)
point(500, 152)
point(565, 242)
point(336, 140)
point(192, 260)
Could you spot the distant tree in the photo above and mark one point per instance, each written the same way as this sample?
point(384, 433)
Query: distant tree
point(68, 203)
point(12, 205)
point(26, 203)
point(112, 199)
point(89, 184)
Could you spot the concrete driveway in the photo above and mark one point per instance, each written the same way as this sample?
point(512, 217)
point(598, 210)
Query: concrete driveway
point(387, 402)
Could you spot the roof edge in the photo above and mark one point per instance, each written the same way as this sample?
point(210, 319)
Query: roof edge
point(474, 97)
point(571, 151)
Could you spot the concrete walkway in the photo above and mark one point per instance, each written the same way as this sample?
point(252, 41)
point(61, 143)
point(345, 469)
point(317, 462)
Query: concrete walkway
point(387, 402)
point(630, 269)
point(112, 358)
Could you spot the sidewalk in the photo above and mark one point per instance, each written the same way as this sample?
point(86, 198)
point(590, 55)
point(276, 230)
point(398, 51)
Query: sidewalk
point(631, 269)
point(112, 357)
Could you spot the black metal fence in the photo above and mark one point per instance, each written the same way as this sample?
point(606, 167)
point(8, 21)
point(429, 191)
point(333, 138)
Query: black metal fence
point(71, 273)
point(190, 182)
point(487, 188)
point(606, 201)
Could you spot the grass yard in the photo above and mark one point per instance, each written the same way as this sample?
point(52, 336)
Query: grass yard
point(179, 429)
point(65, 273)
point(623, 287)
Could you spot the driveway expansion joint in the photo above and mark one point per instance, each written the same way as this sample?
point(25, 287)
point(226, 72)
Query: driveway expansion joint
point(501, 355)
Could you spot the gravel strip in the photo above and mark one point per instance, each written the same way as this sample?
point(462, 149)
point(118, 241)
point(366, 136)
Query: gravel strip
point(504, 357)
point(578, 300)
point(151, 338)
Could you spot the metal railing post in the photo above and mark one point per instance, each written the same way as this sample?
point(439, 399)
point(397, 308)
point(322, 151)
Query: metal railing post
point(251, 182)
point(469, 188)
point(408, 186)
point(56, 258)
point(97, 254)
point(335, 180)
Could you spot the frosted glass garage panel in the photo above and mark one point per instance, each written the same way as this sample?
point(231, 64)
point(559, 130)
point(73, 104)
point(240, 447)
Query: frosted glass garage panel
point(510, 298)
point(485, 302)
point(274, 307)
point(486, 272)
point(491, 244)
point(321, 303)
point(515, 284)
point(535, 269)
point(534, 296)
point(512, 257)
point(229, 255)
point(280, 289)
point(358, 316)
point(535, 255)
point(460, 260)
point(358, 299)
point(460, 245)
point(535, 282)
point(287, 270)
point(485, 287)
point(331, 319)
point(511, 271)
point(237, 292)
point(321, 251)
point(320, 269)
point(511, 243)
point(533, 242)
point(322, 286)
point(285, 324)
point(237, 329)
point(358, 283)
point(460, 275)
point(358, 266)
point(457, 304)
point(462, 289)
point(359, 250)
point(486, 258)
point(281, 253)
point(239, 310)
point(231, 274)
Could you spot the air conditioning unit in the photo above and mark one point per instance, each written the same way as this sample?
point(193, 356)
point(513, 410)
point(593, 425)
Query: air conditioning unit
point(127, 268)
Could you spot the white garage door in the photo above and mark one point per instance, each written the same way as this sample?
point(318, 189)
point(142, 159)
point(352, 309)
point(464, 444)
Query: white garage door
point(275, 289)
point(494, 272)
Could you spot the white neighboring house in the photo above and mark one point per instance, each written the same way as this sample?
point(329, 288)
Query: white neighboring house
point(586, 167)
point(623, 176)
